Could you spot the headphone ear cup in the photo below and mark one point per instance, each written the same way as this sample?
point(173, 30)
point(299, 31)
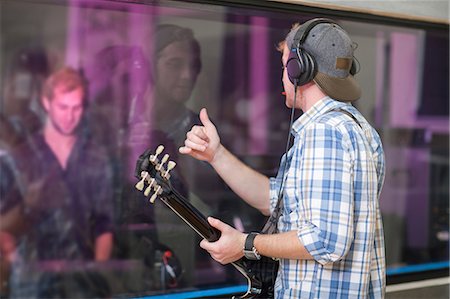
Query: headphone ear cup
point(356, 67)
point(353, 68)
point(294, 67)
point(309, 69)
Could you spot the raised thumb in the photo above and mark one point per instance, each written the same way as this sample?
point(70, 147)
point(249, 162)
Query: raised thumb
point(204, 118)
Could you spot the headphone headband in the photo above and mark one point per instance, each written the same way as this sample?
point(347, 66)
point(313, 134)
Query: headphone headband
point(304, 30)
point(302, 66)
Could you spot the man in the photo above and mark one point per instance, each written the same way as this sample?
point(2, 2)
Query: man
point(176, 65)
point(58, 206)
point(330, 242)
point(174, 60)
point(173, 63)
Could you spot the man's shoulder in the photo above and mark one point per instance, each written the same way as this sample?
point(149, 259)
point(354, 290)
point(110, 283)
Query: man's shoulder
point(342, 118)
point(29, 150)
point(94, 149)
point(94, 155)
point(329, 121)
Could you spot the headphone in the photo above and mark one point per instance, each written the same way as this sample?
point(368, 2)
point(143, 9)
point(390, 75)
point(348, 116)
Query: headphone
point(301, 66)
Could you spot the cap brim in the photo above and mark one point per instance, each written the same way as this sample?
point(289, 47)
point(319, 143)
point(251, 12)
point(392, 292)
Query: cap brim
point(341, 89)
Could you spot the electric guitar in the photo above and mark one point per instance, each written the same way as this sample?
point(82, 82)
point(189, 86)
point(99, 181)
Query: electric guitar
point(154, 181)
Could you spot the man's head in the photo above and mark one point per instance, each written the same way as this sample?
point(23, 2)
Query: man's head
point(63, 100)
point(177, 65)
point(322, 52)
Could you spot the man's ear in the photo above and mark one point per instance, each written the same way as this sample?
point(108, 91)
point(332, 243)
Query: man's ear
point(46, 103)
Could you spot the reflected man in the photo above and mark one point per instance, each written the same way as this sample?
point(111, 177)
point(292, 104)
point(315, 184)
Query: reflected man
point(61, 207)
point(174, 60)
point(176, 68)
point(174, 63)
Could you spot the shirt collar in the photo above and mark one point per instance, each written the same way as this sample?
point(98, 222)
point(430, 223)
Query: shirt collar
point(323, 106)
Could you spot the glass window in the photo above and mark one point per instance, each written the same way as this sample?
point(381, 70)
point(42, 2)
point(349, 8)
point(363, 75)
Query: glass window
point(73, 223)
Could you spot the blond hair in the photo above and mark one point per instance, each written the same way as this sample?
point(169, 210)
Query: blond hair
point(281, 44)
point(65, 80)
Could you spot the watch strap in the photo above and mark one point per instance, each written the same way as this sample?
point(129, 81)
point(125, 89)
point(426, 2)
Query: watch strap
point(249, 241)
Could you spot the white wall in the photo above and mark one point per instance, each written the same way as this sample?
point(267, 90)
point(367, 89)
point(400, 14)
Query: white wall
point(437, 10)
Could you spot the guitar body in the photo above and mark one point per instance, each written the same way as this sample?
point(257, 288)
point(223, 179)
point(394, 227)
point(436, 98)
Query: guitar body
point(260, 274)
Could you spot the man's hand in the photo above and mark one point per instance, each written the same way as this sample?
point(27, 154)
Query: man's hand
point(229, 247)
point(202, 142)
point(103, 246)
point(7, 246)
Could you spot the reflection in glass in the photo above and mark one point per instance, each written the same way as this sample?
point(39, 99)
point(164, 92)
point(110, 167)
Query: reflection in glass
point(149, 69)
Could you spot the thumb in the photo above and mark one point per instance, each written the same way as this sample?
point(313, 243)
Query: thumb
point(217, 223)
point(204, 118)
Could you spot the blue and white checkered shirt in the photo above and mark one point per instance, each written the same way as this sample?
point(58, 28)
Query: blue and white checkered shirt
point(330, 198)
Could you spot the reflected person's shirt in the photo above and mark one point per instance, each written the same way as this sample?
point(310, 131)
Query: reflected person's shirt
point(331, 199)
point(73, 205)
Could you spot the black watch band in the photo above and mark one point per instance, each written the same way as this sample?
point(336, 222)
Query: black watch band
point(250, 251)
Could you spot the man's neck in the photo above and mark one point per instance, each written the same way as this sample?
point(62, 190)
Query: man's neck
point(166, 111)
point(60, 144)
point(311, 94)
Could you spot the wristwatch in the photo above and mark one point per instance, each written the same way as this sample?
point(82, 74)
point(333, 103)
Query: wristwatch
point(250, 251)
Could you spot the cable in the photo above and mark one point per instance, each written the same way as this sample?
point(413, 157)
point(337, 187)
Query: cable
point(271, 225)
point(289, 138)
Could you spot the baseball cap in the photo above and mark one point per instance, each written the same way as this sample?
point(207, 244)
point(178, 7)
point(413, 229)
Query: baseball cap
point(332, 50)
point(166, 34)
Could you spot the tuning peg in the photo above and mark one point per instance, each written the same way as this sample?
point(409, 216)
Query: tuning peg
point(153, 198)
point(170, 165)
point(149, 188)
point(141, 184)
point(161, 164)
point(158, 191)
point(147, 191)
point(154, 158)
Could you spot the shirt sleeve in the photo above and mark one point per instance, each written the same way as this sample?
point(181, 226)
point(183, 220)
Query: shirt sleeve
point(104, 201)
point(275, 183)
point(273, 193)
point(325, 191)
point(10, 193)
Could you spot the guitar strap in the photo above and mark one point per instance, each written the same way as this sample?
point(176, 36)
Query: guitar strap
point(271, 225)
point(348, 113)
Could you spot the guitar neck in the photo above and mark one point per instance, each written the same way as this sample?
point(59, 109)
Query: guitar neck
point(154, 177)
point(191, 215)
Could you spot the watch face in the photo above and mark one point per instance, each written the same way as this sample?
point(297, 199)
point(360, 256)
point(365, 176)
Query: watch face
point(252, 255)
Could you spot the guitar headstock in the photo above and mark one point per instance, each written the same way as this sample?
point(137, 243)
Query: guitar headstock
point(153, 173)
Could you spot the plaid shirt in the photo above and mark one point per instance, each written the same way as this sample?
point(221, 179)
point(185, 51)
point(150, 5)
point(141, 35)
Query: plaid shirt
point(333, 183)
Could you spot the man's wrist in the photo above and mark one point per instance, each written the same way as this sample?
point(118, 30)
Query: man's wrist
point(250, 251)
point(220, 152)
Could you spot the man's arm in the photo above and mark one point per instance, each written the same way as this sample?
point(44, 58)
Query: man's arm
point(203, 143)
point(283, 245)
point(249, 184)
point(103, 208)
point(229, 247)
point(103, 246)
point(7, 246)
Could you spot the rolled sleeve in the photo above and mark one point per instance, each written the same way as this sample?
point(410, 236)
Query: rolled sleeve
point(319, 246)
point(309, 236)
